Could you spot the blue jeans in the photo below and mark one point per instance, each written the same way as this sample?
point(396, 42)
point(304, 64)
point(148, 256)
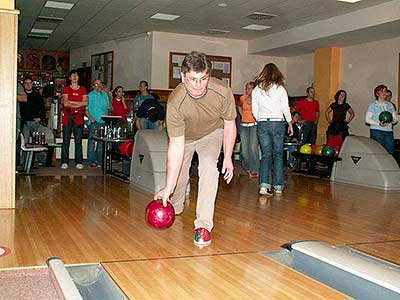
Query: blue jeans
point(249, 148)
point(67, 132)
point(146, 124)
point(385, 138)
point(94, 148)
point(271, 136)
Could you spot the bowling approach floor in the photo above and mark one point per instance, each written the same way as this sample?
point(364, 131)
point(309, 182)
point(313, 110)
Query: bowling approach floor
point(85, 219)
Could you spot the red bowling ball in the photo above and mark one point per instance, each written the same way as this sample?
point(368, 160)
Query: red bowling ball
point(159, 216)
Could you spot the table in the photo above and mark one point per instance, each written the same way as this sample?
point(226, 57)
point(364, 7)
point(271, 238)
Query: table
point(107, 155)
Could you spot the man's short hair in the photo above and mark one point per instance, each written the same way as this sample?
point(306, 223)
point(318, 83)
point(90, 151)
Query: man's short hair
point(197, 62)
point(73, 71)
point(296, 113)
point(146, 84)
point(27, 78)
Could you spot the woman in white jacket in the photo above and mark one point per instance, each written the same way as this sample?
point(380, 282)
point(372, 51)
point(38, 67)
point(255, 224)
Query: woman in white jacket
point(270, 107)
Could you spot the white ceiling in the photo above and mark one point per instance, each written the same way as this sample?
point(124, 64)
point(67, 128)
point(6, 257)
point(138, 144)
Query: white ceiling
point(95, 21)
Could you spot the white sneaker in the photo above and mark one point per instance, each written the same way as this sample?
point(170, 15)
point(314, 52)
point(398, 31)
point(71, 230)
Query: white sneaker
point(278, 192)
point(64, 166)
point(79, 166)
point(265, 191)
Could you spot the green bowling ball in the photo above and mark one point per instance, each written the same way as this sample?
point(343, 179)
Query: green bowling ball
point(328, 151)
point(386, 117)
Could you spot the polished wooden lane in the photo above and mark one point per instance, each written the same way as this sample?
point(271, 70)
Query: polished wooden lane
point(228, 276)
point(389, 250)
point(98, 219)
point(86, 219)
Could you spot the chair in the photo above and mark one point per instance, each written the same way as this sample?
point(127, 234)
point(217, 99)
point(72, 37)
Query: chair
point(30, 150)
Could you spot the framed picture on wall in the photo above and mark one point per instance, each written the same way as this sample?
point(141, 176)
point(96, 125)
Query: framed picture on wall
point(221, 68)
point(103, 68)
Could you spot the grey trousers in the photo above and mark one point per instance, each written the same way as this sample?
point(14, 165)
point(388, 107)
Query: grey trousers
point(208, 149)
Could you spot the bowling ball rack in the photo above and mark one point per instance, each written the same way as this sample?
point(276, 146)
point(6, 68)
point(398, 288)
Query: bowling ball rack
point(314, 165)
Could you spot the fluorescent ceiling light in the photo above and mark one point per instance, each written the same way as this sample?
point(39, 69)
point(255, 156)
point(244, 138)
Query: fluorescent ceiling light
point(349, 1)
point(47, 18)
point(38, 36)
point(166, 17)
point(214, 30)
point(41, 31)
point(59, 5)
point(256, 27)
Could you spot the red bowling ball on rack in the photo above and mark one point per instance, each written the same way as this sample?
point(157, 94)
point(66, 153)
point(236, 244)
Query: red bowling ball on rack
point(159, 216)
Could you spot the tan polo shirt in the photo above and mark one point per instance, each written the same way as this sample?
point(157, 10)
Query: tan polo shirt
point(196, 118)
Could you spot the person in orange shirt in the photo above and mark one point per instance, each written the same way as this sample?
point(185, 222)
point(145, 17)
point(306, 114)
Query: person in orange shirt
point(248, 134)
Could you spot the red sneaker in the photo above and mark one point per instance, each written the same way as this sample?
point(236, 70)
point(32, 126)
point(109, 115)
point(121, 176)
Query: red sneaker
point(202, 237)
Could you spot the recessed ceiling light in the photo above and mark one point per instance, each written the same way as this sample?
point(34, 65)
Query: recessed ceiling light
point(256, 27)
point(59, 5)
point(349, 1)
point(41, 31)
point(166, 17)
point(49, 19)
point(222, 4)
point(216, 31)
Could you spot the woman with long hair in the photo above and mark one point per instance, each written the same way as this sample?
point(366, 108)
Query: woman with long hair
point(270, 107)
point(120, 108)
point(342, 114)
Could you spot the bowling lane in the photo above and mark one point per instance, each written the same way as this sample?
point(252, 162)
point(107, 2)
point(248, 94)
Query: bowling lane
point(230, 276)
point(389, 251)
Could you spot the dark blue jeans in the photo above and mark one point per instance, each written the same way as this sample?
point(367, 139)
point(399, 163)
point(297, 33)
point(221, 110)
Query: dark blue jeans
point(94, 148)
point(309, 133)
point(67, 132)
point(385, 138)
point(271, 136)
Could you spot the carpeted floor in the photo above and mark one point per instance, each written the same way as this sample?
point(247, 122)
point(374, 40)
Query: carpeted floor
point(29, 283)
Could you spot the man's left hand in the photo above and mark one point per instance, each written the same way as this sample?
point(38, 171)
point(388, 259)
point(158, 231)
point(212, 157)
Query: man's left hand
point(227, 170)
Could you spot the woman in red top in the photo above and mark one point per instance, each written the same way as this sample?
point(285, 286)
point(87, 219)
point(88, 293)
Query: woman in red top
point(74, 102)
point(120, 108)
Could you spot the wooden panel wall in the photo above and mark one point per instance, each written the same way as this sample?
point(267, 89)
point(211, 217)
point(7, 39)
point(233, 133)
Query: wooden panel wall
point(8, 77)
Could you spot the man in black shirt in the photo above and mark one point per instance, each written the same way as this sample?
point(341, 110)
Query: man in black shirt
point(150, 115)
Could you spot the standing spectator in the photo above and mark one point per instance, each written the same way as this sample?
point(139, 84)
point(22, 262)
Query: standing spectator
point(389, 98)
point(379, 131)
point(200, 116)
point(99, 104)
point(309, 110)
point(248, 134)
point(144, 94)
point(338, 123)
point(270, 108)
point(75, 100)
point(120, 108)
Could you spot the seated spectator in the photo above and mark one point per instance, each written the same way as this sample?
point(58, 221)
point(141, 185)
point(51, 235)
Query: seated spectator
point(295, 137)
point(120, 108)
point(150, 115)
